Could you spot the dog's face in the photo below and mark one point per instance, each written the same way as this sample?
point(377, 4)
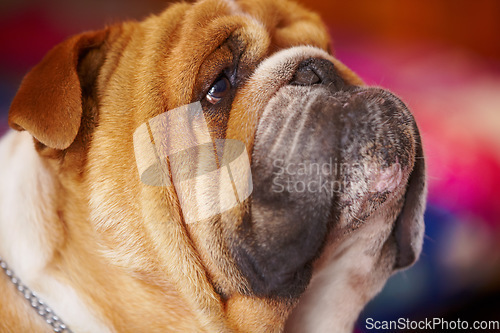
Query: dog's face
point(337, 176)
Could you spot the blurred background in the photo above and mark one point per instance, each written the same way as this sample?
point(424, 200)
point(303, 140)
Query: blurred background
point(441, 56)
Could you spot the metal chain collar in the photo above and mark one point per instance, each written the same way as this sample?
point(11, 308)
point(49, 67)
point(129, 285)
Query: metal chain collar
point(36, 303)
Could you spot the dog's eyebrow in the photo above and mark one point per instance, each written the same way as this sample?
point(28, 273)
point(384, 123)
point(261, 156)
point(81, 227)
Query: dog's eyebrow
point(237, 48)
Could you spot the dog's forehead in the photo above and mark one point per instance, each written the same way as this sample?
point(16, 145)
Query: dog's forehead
point(179, 41)
point(176, 43)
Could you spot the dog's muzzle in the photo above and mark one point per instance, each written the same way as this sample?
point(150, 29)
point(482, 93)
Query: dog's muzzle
point(324, 149)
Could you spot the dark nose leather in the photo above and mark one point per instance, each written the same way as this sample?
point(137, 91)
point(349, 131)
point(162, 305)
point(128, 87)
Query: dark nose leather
point(317, 71)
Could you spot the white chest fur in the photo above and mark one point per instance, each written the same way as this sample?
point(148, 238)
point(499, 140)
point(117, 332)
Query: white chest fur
point(26, 189)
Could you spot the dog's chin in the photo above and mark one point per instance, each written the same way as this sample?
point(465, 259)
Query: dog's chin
point(319, 154)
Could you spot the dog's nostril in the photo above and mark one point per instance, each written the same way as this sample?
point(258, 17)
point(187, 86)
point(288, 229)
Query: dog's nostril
point(305, 77)
point(317, 71)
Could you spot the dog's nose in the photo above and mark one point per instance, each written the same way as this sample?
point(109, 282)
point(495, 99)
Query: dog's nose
point(317, 71)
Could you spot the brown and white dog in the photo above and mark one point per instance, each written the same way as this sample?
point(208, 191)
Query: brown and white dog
point(109, 252)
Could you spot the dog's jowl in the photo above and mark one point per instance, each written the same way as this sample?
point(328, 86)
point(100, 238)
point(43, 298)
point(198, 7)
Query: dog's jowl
point(212, 168)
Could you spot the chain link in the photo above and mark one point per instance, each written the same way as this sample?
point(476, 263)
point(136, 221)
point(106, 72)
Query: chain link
point(36, 303)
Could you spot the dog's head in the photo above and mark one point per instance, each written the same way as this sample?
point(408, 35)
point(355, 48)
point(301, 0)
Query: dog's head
point(219, 146)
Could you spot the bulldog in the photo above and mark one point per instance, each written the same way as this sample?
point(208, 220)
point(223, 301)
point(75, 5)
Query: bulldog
point(213, 168)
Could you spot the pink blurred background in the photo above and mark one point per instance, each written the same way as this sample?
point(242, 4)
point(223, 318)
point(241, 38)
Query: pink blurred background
point(442, 57)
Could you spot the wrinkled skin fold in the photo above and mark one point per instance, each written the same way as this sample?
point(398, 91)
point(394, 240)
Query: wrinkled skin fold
point(337, 169)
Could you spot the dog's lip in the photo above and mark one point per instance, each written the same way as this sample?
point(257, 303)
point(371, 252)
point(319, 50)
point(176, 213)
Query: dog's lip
point(388, 179)
point(271, 282)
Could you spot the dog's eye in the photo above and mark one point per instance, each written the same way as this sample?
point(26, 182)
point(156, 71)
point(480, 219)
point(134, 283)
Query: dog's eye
point(218, 90)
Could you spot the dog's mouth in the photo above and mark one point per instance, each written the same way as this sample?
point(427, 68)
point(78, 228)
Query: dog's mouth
point(321, 156)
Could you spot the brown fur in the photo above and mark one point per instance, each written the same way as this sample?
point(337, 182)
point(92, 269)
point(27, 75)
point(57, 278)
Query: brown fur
point(123, 245)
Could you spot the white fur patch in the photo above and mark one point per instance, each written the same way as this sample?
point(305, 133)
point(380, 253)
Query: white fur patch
point(25, 192)
point(333, 301)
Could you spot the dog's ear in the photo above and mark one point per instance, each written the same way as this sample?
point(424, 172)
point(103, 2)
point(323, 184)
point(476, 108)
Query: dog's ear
point(48, 103)
point(409, 227)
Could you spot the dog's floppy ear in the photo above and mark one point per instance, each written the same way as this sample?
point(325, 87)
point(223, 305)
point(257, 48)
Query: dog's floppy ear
point(48, 103)
point(409, 227)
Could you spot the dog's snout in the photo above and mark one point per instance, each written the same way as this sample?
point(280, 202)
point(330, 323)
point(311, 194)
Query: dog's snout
point(317, 71)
